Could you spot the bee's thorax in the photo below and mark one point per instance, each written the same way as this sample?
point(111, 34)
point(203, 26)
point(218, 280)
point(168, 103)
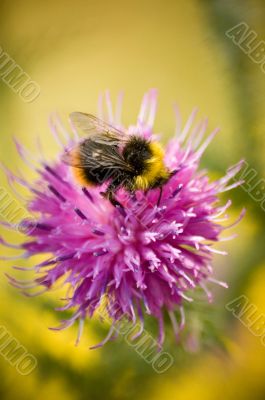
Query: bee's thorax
point(147, 160)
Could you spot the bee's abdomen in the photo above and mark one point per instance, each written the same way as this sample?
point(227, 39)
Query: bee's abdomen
point(92, 171)
point(96, 176)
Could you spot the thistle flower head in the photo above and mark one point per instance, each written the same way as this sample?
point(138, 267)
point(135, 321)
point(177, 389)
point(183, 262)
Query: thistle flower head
point(142, 256)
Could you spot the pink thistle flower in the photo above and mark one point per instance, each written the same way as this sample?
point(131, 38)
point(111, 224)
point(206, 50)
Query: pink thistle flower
point(143, 257)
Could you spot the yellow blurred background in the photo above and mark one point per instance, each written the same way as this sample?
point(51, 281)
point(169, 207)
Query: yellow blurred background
point(76, 49)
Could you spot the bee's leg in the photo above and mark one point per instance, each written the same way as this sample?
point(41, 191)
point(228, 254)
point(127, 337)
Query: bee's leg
point(109, 195)
point(160, 195)
point(113, 200)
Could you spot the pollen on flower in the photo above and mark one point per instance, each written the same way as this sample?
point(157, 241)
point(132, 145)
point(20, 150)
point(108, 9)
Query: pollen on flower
point(141, 257)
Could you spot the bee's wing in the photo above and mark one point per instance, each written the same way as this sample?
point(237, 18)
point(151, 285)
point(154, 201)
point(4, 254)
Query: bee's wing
point(70, 158)
point(100, 131)
point(95, 157)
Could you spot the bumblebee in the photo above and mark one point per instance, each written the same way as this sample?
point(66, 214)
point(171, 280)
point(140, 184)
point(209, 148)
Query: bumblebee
point(108, 155)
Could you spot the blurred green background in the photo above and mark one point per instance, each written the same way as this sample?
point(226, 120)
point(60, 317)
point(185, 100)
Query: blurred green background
point(76, 49)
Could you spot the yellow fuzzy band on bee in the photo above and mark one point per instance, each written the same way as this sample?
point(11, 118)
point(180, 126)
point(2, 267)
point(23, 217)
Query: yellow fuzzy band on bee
point(155, 168)
point(79, 173)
